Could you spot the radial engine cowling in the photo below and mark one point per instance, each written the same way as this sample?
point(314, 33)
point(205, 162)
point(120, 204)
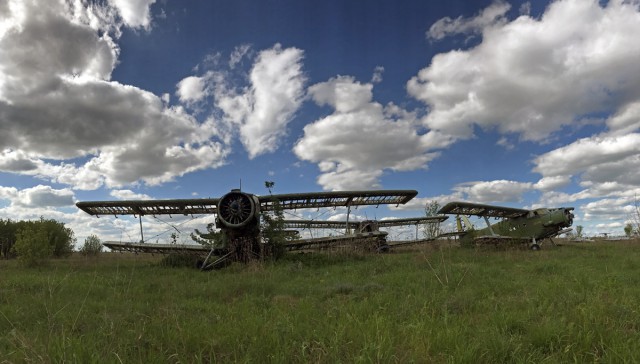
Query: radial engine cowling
point(561, 217)
point(568, 216)
point(237, 210)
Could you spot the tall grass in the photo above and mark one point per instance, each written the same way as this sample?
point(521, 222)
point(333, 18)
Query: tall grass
point(571, 303)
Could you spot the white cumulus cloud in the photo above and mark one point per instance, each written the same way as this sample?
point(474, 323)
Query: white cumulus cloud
point(64, 120)
point(489, 16)
point(191, 89)
point(129, 195)
point(361, 138)
point(135, 13)
point(36, 197)
point(588, 154)
point(532, 76)
point(493, 191)
point(262, 109)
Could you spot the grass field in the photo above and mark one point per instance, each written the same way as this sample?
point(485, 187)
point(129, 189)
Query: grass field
point(573, 303)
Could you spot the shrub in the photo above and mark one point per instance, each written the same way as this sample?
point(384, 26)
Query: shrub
point(61, 238)
point(92, 246)
point(32, 246)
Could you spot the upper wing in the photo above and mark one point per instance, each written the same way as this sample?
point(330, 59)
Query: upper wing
point(411, 221)
point(150, 207)
point(267, 203)
point(469, 208)
point(336, 199)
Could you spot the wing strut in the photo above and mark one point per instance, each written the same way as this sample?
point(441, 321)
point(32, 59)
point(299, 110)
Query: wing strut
point(141, 233)
point(348, 213)
point(486, 219)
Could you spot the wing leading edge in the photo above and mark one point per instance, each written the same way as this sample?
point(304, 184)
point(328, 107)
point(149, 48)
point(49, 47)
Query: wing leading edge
point(469, 208)
point(150, 207)
point(411, 221)
point(336, 199)
point(153, 248)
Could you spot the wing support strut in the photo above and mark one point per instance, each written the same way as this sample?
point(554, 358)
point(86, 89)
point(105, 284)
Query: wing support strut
point(486, 219)
point(141, 233)
point(348, 213)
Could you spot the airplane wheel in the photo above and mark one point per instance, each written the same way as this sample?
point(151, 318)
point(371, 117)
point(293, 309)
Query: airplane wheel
point(535, 247)
point(383, 249)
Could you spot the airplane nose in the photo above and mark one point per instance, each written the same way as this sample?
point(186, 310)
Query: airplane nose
point(569, 216)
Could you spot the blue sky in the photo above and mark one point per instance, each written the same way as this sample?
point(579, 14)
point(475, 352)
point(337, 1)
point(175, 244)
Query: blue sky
point(517, 103)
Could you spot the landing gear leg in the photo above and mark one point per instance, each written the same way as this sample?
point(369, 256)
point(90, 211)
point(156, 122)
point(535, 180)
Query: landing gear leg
point(534, 245)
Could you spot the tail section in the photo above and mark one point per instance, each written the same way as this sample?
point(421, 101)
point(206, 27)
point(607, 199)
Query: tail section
point(463, 223)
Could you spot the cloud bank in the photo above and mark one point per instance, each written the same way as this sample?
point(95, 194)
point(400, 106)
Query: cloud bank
point(65, 120)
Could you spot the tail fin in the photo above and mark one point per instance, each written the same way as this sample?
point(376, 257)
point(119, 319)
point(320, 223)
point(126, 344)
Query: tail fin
point(463, 227)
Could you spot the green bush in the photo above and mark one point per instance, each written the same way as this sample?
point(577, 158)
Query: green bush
point(92, 246)
point(32, 246)
point(60, 238)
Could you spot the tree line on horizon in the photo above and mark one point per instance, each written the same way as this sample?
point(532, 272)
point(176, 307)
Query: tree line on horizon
point(33, 241)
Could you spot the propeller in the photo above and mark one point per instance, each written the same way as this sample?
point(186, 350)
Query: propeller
point(236, 209)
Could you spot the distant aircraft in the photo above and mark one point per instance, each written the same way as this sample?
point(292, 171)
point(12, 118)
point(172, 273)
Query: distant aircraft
point(517, 225)
point(237, 216)
point(369, 227)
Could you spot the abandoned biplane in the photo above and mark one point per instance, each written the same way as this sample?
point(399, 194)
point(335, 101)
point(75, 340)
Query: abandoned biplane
point(517, 225)
point(367, 227)
point(238, 218)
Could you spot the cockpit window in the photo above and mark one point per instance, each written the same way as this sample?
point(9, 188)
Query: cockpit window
point(542, 211)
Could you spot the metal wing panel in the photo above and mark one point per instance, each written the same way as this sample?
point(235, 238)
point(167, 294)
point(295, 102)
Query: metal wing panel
point(315, 224)
point(150, 207)
point(325, 224)
point(157, 248)
point(469, 208)
point(336, 199)
point(399, 243)
point(332, 241)
point(411, 221)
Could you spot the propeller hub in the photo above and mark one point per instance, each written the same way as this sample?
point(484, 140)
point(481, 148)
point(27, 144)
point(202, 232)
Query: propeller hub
point(237, 209)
